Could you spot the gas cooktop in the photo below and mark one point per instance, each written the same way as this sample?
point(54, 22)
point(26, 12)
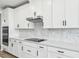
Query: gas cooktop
point(36, 39)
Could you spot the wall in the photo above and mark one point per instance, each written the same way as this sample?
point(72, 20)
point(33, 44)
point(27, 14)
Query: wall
point(67, 35)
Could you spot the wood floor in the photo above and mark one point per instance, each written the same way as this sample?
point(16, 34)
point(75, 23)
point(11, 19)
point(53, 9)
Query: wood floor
point(6, 55)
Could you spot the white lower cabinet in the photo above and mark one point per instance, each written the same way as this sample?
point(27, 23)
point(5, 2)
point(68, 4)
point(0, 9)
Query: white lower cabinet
point(42, 51)
point(27, 49)
point(55, 53)
point(13, 47)
point(10, 46)
point(29, 52)
point(16, 48)
point(61, 53)
point(20, 49)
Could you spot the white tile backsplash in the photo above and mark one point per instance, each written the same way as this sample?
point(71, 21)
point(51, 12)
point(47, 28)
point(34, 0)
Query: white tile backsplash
point(67, 35)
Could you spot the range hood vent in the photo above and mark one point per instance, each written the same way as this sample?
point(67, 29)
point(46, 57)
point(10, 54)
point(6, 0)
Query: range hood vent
point(35, 19)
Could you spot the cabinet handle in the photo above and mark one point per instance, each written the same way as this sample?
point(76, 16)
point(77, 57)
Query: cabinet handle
point(28, 25)
point(22, 48)
point(35, 13)
point(60, 51)
point(37, 52)
point(42, 24)
point(63, 22)
point(4, 20)
point(41, 47)
point(12, 44)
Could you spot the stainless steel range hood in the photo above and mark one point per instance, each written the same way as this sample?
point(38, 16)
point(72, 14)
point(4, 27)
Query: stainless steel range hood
point(35, 19)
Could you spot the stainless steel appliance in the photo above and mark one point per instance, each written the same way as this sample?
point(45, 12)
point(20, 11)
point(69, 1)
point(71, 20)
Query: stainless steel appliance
point(35, 39)
point(5, 34)
point(35, 19)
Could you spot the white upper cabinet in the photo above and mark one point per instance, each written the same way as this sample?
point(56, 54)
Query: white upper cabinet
point(7, 19)
point(72, 13)
point(37, 6)
point(47, 13)
point(4, 17)
point(21, 14)
point(55, 13)
point(43, 8)
point(58, 12)
point(52, 12)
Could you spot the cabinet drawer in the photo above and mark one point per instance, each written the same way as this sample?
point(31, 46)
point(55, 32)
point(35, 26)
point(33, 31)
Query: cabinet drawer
point(64, 52)
point(30, 50)
point(55, 55)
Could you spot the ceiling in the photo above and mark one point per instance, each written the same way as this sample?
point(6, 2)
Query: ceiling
point(12, 3)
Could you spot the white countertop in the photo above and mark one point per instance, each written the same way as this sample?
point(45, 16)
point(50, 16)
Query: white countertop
point(58, 44)
point(63, 45)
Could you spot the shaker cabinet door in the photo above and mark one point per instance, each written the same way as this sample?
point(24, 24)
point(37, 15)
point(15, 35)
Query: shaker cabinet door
point(58, 14)
point(42, 51)
point(4, 17)
point(72, 13)
point(47, 13)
